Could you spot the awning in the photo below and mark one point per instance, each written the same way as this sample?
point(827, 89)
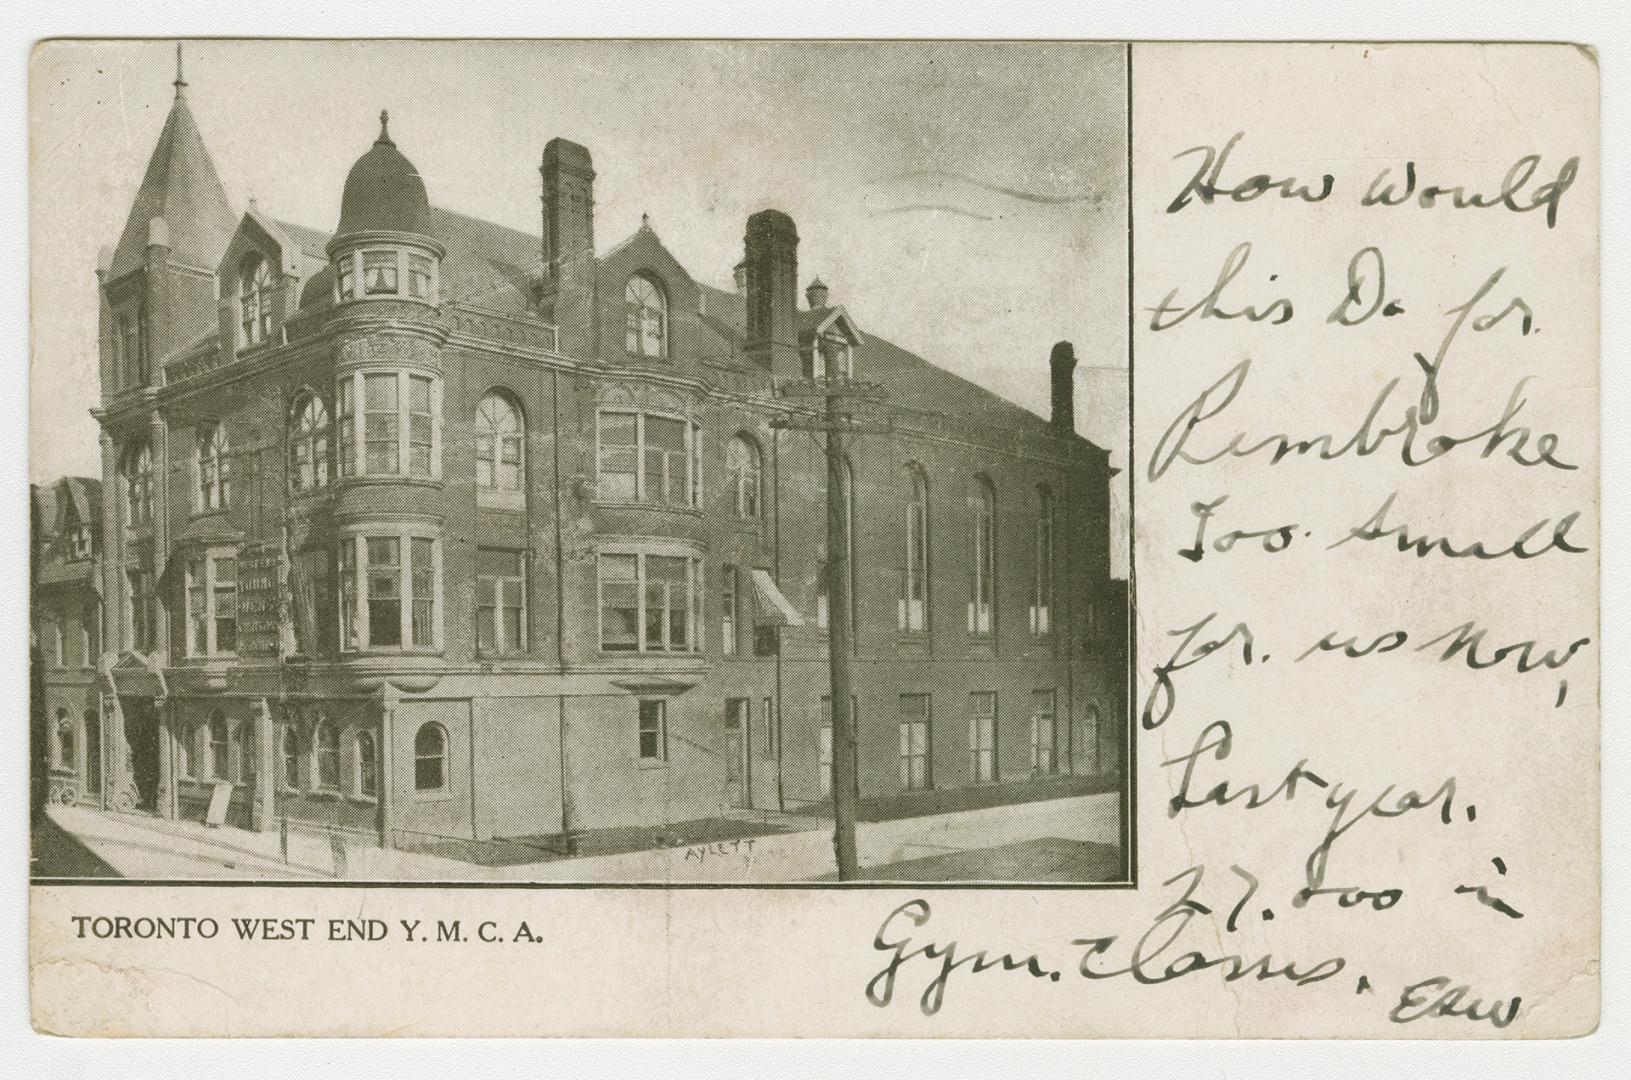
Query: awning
point(773, 609)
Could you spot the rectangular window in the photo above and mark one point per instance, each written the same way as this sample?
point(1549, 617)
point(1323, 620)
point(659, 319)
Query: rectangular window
point(824, 756)
point(381, 422)
point(619, 456)
point(665, 460)
point(220, 749)
point(421, 425)
point(619, 603)
point(367, 767)
point(384, 590)
point(90, 633)
point(650, 603)
point(982, 736)
point(667, 603)
point(211, 582)
point(738, 727)
point(198, 629)
point(423, 556)
point(346, 275)
point(823, 600)
point(379, 273)
point(501, 606)
point(419, 268)
point(914, 742)
point(824, 749)
point(184, 754)
point(346, 412)
point(139, 588)
point(224, 588)
point(1044, 736)
point(653, 737)
point(348, 593)
point(728, 610)
point(648, 459)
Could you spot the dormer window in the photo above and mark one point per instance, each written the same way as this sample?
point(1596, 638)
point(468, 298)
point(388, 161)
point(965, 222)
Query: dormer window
point(254, 301)
point(385, 272)
point(831, 356)
point(645, 329)
point(79, 541)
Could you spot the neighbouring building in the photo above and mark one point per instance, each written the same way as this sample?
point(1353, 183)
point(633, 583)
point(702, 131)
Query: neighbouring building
point(424, 527)
point(65, 614)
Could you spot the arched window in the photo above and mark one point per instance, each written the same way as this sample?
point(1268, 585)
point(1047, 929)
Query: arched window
point(248, 753)
point(220, 746)
point(254, 301)
point(214, 467)
point(308, 443)
point(291, 756)
point(500, 444)
point(1042, 587)
point(65, 740)
point(326, 751)
point(847, 493)
point(982, 592)
point(645, 330)
point(137, 473)
point(430, 758)
point(744, 465)
point(914, 593)
point(367, 765)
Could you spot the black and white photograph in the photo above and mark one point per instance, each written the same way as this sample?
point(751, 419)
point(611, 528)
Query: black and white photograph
point(714, 475)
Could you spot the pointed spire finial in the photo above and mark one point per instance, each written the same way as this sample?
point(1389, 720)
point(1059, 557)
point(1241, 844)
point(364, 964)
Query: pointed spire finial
point(181, 81)
point(645, 221)
point(384, 130)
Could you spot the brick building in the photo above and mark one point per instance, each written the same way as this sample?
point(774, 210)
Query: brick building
point(65, 614)
point(427, 527)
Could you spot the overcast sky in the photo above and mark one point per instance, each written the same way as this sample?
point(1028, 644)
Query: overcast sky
point(963, 200)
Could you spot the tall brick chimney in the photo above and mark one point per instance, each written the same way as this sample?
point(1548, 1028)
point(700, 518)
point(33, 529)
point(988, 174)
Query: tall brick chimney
point(771, 268)
point(1062, 367)
point(568, 198)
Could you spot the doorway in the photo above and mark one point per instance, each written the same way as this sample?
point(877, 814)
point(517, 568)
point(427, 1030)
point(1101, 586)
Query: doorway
point(142, 749)
point(738, 729)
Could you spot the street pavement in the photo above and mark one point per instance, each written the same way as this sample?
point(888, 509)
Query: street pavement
point(1070, 839)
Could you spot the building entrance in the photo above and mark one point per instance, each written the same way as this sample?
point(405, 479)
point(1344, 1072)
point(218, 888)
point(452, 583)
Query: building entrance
point(142, 749)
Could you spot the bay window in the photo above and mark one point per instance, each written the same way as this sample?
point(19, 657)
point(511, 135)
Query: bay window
point(650, 602)
point(398, 430)
point(385, 272)
point(390, 591)
point(648, 458)
point(211, 582)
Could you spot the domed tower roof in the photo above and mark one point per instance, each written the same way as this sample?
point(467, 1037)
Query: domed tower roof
point(383, 192)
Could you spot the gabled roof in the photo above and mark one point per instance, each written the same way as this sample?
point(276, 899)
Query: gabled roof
point(180, 186)
point(492, 265)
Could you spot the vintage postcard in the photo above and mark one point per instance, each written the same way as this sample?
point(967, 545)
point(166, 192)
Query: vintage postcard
point(978, 538)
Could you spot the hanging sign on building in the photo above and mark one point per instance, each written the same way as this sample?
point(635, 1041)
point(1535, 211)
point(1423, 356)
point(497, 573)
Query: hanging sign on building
point(259, 619)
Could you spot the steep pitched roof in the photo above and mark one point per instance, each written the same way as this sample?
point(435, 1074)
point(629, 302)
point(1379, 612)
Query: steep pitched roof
point(180, 186)
point(910, 381)
point(491, 265)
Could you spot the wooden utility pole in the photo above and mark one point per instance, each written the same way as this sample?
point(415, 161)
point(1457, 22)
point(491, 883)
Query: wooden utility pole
point(835, 423)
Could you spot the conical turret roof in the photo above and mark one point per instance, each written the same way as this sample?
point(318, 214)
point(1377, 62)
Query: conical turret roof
point(180, 186)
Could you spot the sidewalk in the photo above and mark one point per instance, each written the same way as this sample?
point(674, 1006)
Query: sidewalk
point(145, 847)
